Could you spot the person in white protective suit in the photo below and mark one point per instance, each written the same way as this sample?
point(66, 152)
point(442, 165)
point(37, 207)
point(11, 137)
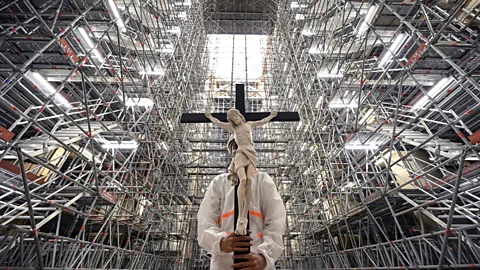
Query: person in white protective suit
point(267, 224)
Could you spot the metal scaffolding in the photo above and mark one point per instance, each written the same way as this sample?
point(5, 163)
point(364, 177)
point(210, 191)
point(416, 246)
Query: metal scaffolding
point(96, 171)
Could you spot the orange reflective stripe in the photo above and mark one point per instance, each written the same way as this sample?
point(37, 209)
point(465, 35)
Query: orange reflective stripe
point(228, 232)
point(231, 213)
point(258, 214)
point(260, 235)
point(226, 215)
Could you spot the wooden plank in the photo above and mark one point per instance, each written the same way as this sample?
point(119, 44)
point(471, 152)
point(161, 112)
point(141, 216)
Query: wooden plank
point(417, 55)
point(475, 137)
point(69, 52)
point(16, 170)
point(467, 171)
point(6, 134)
point(109, 197)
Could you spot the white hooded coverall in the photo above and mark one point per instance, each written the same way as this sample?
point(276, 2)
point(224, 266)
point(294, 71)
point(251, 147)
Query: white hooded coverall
point(267, 220)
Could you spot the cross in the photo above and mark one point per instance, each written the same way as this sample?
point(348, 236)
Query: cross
point(239, 105)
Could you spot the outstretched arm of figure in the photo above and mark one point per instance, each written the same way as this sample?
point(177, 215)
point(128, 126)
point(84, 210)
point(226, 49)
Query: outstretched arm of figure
point(217, 122)
point(264, 120)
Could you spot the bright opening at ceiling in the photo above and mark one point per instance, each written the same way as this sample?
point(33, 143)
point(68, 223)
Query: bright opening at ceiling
point(237, 55)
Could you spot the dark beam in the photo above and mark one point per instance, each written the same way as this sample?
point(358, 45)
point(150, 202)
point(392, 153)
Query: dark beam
point(200, 117)
point(281, 117)
point(225, 141)
point(240, 98)
point(264, 166)
point(240, 105)
point(225, 150)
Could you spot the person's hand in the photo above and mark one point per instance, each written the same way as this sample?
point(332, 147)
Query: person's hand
point(208, 114)
point(233, 243)
point(254, 262)
point(274, 113)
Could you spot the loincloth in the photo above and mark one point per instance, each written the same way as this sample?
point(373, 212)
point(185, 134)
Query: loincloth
point(242, 159)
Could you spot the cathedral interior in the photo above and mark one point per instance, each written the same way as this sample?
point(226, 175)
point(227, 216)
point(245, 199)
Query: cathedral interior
point(98, 170)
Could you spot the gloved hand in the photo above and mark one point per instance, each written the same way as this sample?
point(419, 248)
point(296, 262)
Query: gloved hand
point(254, 262)
point(233, 243)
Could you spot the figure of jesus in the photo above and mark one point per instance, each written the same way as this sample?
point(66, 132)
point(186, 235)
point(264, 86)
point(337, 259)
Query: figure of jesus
point(244, 160)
